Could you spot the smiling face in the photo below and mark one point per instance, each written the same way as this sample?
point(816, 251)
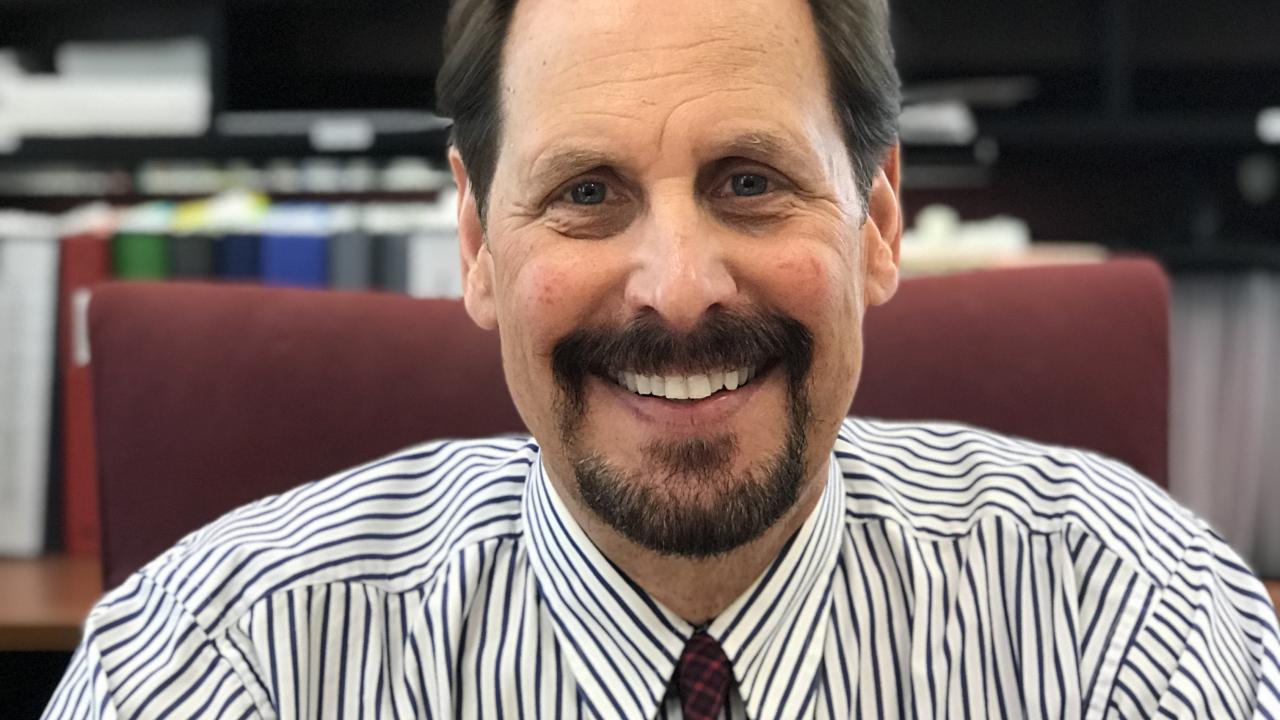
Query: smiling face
point(677, 260)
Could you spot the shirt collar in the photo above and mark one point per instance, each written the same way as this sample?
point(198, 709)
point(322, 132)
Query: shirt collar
point(622, 646)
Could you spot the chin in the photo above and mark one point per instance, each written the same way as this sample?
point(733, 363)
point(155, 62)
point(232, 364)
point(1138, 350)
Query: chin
point(693, 496)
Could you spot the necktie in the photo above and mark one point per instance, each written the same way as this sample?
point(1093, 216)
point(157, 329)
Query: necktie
point(702, 677)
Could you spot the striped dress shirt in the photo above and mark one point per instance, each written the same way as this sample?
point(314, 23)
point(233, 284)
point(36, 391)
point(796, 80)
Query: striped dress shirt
point(945, 572)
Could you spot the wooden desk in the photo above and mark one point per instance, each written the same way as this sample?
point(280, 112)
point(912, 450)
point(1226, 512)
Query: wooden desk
point(43, 602)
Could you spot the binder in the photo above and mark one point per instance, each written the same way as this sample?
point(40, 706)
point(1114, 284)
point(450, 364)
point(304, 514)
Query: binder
point(140, 256)
point(295, 250)
point(236, 218)
point(388, 227)
point(28, 313)
point(85, 262)
point(237, 256)
point(191, 253)
point(434, 268)
point(350, 251)
point(391, 260)
point(140, 250)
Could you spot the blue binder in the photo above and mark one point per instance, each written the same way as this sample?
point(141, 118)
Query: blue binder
point(238, 256)
point(295, 246)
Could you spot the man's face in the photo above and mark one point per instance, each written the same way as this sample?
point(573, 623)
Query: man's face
point(677, 259)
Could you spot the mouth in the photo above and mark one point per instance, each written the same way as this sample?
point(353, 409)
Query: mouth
point(687, 386)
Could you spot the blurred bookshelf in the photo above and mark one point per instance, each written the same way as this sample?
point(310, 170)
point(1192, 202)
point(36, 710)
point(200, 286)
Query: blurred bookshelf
point(1111, 126)
point(1114, 126)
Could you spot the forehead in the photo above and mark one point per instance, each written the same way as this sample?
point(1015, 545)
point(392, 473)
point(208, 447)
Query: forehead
point(628, 71)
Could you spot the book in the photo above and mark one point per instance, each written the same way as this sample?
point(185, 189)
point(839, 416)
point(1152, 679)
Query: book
point(389, 227)
point(236, 219)
point(237, 256)
point(295, 249)
point(85, 262)
point(140, 250)
point(191, 245)
point(28, 311)
point(350, 250)
point(191, 256)
point(434, 268)
point(390, 262)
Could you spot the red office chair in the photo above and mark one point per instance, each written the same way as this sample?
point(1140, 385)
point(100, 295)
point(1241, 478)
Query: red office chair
point(209, 396)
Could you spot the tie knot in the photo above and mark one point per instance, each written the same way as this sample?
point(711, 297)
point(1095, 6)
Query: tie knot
point(702, 677)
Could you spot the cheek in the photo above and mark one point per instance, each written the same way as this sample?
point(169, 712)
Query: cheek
point(818, 285)
point(533, 306)
point(814, 283)
point(546, 296)
point(542, 291)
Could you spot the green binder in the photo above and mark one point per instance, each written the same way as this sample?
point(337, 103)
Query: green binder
point(140, 249)
point(140, 256)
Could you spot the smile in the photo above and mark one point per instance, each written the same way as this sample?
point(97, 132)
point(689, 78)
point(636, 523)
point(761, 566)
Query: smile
point(686, 387)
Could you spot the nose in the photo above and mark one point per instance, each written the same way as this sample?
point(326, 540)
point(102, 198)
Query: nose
point(682, 271)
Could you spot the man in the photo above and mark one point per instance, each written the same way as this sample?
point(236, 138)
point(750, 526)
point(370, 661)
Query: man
point(675, 215)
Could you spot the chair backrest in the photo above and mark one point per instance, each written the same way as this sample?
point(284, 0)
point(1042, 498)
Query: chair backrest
point(209, 396)
point(1070, 355)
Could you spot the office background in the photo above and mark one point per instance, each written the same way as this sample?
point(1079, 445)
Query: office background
point(1055, 131)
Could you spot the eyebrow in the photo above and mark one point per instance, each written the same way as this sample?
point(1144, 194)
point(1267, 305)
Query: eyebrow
point(569, 162)
point(761, 145)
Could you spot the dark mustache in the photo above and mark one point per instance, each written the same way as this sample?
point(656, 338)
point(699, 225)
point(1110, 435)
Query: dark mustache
point(648, 346)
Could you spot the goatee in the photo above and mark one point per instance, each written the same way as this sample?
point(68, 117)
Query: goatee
point(688, 501)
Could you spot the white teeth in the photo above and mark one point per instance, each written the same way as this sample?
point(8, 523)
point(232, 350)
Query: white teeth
point(731, 379)
point(685, 387)
point(699, 387)
point(717, 379)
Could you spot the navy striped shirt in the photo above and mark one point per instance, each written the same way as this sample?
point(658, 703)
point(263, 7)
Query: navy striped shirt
point(946, 572)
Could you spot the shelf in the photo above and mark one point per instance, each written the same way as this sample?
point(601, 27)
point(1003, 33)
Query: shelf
point(214, 147)
point(44, 601)
point(1221, 258)
point(1165, 130)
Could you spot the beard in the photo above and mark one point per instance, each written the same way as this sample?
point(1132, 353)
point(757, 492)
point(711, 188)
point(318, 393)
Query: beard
point(688, 500)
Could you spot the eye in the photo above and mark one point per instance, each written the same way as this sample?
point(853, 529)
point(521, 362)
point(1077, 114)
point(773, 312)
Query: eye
point(590, 192)
point(749, 184)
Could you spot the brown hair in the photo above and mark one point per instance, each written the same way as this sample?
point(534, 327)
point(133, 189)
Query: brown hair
point(855, 41)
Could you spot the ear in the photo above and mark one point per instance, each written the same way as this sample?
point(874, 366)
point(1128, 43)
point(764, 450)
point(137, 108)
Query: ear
point(477, 263)
point(882, 233)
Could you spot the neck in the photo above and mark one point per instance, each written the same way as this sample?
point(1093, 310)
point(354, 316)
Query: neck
point(697, 590)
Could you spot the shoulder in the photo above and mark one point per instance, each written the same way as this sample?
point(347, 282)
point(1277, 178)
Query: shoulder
point(944, 479)
point(392, 523)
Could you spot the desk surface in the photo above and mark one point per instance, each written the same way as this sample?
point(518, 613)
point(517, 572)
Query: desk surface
point(44, 601)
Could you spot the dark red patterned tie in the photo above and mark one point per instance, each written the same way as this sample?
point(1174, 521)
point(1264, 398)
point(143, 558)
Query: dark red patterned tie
point(702, 677)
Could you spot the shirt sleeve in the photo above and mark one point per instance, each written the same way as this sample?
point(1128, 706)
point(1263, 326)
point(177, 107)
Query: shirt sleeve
point(1207, 647)
point(143, 655)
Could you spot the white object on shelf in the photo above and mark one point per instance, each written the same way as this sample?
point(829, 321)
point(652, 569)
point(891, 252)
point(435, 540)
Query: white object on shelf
point(941, 242)
point(134, 59)
point(435, 270)
point(28, 307)
point(945, 122)
point(1268, 125)
point(117, 89)
point(414, 174)
point(82, 107)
